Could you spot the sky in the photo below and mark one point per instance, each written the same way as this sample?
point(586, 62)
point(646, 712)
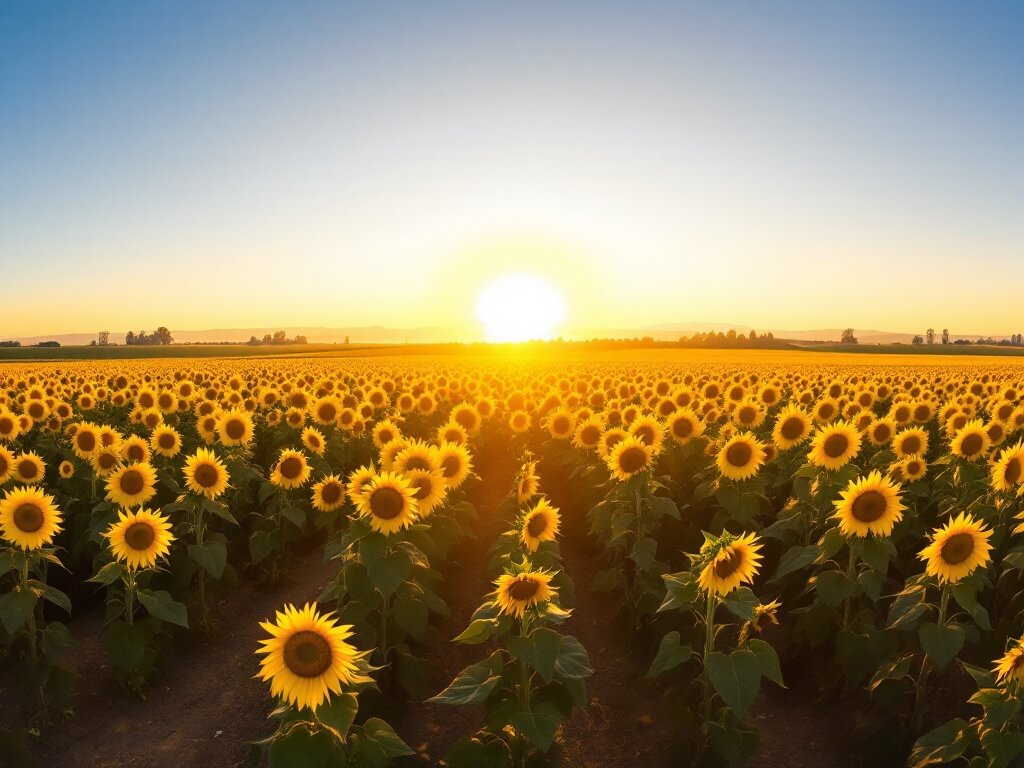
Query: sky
point(777, 164)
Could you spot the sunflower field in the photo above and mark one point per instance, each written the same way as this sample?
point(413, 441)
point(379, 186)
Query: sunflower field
point(486, 563)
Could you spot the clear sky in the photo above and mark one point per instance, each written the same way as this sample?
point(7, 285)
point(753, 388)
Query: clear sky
point(784, 165)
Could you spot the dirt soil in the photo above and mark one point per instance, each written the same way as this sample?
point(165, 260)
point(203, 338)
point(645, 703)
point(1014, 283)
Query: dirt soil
point(208, 707)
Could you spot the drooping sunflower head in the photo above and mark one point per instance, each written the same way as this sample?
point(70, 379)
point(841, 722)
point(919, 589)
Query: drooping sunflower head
point(429, 488)
point(869, 505)
point(131, 485)
point(1010, 668)
point(971, 442)
point(329, 494)
point(291, 471)
point(957, 549)
point(516, 593)
point(741, 457)
point(629, 457)
point(792, 427)
point(138, 538)
point(730, 562)
point(541, 523)
point(834, 445)
point(389, 502)
point(307, 657)
point(29, 519)
point(205, 474)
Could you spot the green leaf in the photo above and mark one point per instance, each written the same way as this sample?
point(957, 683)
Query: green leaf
point(742, 603)
point(471, 686)
point(833, 587)
point(1001, 748)
point(671, 653)
point(15, 608)
point(942, 644)
point(388, 572)
point(876, 552)
point(736, 678)
point(478, 631)
point(983, 678)
point(662, 506)
point(573, 662)
point(339, 712)
point(302, 745)
point(998, 704)
point(831, 542)
point(682, 591)
point(410, 614)
point(380, 744)
point(539, 725)
point(907, 608)
point(162, 606)
point(471, 752)
point(795, 559)
point(768, 659)
point(52, 595)
point(108, 574)
point(892, 669)
point(941, 745)
point(538, 650)
point(211, 556)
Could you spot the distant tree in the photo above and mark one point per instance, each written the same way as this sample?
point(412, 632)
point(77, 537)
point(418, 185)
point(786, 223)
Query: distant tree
point(753, 335)
point(280, 337)
point(770, 336)
point(848, 337)
point(129, 338)
point(268, 339)
point(346, 339)
point(162, 336)
point(299, 339)
point(929, 335)
point(945, 335)
point(253, 341)
point(918, 340)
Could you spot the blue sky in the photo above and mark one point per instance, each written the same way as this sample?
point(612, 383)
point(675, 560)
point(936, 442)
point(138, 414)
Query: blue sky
point(785, 165)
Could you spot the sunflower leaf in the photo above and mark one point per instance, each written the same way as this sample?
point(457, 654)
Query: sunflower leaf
point(471, 686)
point(15, 608)
point(162, 606)
point(539, 650)
point(671, 653)
point(573, 662)
point(211, 556)
point(742, 603)
point(736, 678)
point(941, 643)
point(539, 724)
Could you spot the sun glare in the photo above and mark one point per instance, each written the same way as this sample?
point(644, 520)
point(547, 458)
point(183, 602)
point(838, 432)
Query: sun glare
point(520, 307)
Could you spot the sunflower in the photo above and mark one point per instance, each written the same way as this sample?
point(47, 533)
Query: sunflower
point(740, 457)
point(1010, 668)
point(539, 524)
point(235, 428)
point(131, 485)
point(329, 494)
point(455, 463)
point(357, 480)
point(910, 442)
point(731, 561)
point(881, 430)
point(29, 518)
point(86, 440)
point(957, 549)
point(452, 432)
point(649, 430)
point(834, 445)
point(748, 414)
point(307, 657)
point(528, 483)
point(138, 538)
point(389, 501)
point(291, 471)
point(415, 455)
point(971, 442)
point(105, 461)
point(467, 417)
point(519, 421)
point(629, 457)
point(869, 504)
point(515, 592)
point(1008, 470)
point(165, 441)
point(314, 441)
point(791, 427)
point(429, 489)
point(609, 440)
point(684, 425)
point(10, 427)
point(588, 433)
point(325, 410)
point(561, 424)
point(29, 468)
point(205, 474)
point(6, 464)
point(66, 470)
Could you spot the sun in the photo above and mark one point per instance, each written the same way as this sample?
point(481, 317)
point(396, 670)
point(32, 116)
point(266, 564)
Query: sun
point(520, 307)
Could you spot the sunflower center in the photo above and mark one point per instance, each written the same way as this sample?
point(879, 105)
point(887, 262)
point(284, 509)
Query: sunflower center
point(166, 441)
point(739, 454)
point(132, 482)
point(386, 503)
point(835, 445)
point(451, 466)
point(912, 444)
point(633, 459)
point(792, 429)
point(331, 493)
point(537, 525)
point(645, 434)
point(206, 475)
point(747, 415)
point(417, 462)
point(328, 412)
point(106, 460)
point(28, 517)
point(958, 548)
point(561, 425)
point(423, 488)
point(869, 506)
point(682, 428)
point(139, 536)
point(590, 435)
point(972, 444)
point(87, 441)
point(523, 588)
point(726, 567)
point(235, 429)
point(291, 468)
point(1013, 470)
point(307, 654)
point(27, 469)
point(882, 433)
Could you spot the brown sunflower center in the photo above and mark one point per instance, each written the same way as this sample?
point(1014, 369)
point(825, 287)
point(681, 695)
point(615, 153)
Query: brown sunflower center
point(632, 459)
point(86, 441)
point(727, 566)
point(792, 428)
point(166, 441)
point(235, 429)
point(882, 432)
point(132, 482)
point(836, 445)
point(423, 488)
point(747, 415)
point(451, 465)
point(869, 506)
point(1013, 470)
point(523, 588)
point(739, 454)
point(645, 434)
point(307, 654)
point(417, 462)
point(958, 548)
point(206, 475)
point(560, 425)
point(139, 536)
point(27, 469)
point(291, 468)
point(911, 444)
point(331, 493)
point(682, 427)
point(386, 503)
point(537, 525)
point(28, 517)
point(972, 444)
point(590, 435)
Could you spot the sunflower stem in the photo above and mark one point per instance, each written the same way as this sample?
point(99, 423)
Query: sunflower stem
point(32, 649)
point(851, 571)
point(129, 597)
point(709, 647)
